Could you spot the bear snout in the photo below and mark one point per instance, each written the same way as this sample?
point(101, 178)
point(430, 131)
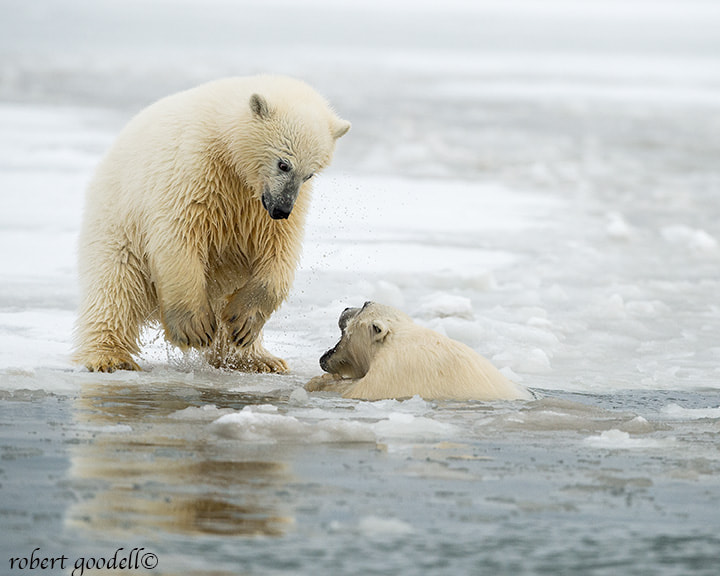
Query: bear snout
point(325, 359)
point(279, 214)
point(277, 208)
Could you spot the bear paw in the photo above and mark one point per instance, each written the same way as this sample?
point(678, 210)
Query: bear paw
point(245, 329)
point(108, 363)
point(268, 363)
point(329, 383)
point(190, 329)
point(262, 362)
point(320, 382)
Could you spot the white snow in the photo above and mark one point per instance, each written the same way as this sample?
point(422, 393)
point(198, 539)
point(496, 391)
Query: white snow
point(442, 305)
point(553, 206)
point(618, 228)
point(698, 240)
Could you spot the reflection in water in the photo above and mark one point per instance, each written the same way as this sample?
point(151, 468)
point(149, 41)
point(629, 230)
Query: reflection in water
point(142, 470)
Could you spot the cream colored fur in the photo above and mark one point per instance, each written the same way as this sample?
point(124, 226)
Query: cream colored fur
point(383, 354)
point(175, 229)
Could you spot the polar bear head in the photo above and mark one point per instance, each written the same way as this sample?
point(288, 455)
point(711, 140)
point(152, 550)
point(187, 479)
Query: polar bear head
point(294, 134)
point(365, 332)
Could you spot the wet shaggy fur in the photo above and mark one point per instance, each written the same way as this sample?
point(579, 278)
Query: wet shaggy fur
point(383, 354)
point(195, 217)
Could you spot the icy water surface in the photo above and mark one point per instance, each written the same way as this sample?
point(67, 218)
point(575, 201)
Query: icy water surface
point(539, 181)
point(203, 474)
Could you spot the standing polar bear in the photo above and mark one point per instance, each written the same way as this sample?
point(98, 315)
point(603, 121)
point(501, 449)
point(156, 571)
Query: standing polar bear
point(383, 354)
point(195, 218)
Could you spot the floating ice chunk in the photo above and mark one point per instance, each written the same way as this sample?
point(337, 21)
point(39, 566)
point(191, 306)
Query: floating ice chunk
point(298, 397)
point(250, 425)
point(267, 408)
point(676, 411)
point(618, 440)
point(384, 408)
point(109, 429)
point(258, 427)
point(374, 526)
point(206, 412)
point(638, 425)
point(403, 425)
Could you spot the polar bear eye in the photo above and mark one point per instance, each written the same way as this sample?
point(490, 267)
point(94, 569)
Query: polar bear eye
point(284, 166)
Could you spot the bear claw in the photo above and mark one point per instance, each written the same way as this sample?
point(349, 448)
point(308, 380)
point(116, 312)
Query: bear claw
point(245, 334)
point(189, 329)
point(108, 365)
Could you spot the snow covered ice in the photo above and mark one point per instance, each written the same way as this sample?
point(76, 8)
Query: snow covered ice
point(537, 180)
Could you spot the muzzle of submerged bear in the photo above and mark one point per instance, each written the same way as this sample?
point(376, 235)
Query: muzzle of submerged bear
point(325, 358)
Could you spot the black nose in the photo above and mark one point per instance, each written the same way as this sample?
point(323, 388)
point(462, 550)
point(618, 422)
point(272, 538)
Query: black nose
point(279, 214)
point(325, 358)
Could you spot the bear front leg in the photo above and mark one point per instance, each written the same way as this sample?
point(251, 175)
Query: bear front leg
point(185, 311)
point(255, 358)
point(246, 312)
point(189, 327)
point(330, 383)
point(239, 346)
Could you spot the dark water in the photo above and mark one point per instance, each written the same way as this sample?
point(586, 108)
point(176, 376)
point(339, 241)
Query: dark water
point(506, 489)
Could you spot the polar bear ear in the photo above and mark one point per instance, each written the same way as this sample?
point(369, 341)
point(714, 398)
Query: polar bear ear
point(259, 107)
point(380, 331)
point(339, 128)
